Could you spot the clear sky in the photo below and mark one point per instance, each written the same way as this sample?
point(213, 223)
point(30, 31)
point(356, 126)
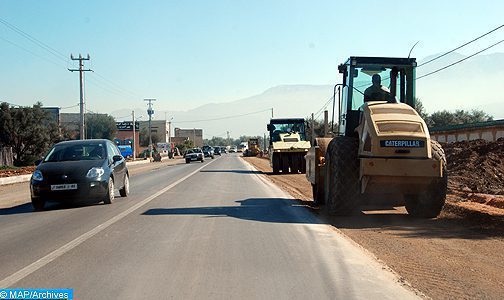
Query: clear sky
point(188, 53)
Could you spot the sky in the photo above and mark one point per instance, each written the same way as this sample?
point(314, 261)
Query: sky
point(189, 53)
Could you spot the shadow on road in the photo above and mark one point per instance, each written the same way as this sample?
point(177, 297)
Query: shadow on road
point(283, 210)
point(274, 210)
point(398, 222)
point(27, 208)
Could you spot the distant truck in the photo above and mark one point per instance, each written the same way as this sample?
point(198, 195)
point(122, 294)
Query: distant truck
point(288, 145)
point(243, 147)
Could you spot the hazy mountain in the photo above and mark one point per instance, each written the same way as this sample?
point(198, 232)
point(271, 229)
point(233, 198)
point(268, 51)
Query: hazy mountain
point(474, 83)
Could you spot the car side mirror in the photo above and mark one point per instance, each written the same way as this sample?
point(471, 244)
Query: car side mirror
point(268, 127)
point(117, 158)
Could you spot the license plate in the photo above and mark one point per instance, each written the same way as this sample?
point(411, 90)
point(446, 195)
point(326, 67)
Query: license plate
point(402, 143)
point(64, 187)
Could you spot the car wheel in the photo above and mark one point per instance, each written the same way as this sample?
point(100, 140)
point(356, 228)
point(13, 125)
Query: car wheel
point(38, 203)
point(125, 189)
point(109, 197)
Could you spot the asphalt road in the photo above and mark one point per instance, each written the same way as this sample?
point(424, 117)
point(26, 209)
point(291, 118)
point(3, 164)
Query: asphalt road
point(214, 230)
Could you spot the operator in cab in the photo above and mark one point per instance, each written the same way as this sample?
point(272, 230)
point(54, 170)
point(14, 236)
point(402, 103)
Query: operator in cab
point(377, 92)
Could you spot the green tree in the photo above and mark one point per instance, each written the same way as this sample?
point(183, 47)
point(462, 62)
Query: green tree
point(444, 117)
point(187, 144)
point(30, 132)
point(100, 126)
point(421, 109)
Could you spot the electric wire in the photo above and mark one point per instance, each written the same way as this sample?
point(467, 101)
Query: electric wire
point(463, 45)
point(34, 40)
point(223, 118)
point(62, 57)
point(459, 61)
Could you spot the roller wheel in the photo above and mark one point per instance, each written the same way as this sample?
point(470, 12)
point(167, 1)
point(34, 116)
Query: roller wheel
point(276, 163)
point(342, 185)
point(430, 203)
point(285, 164)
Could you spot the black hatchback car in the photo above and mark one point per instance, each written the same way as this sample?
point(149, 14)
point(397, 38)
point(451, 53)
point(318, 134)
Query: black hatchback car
point(84, 170)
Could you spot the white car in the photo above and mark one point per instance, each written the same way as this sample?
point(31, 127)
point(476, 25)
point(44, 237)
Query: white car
point(194, 154)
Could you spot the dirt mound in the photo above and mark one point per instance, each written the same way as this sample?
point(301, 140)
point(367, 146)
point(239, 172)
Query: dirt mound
point(476, 166)
point(13, 171)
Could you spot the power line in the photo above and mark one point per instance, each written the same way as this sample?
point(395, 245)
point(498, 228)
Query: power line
point(60, 56)
point(31, 52)
point(465, 44)
point(323, 107)
point(68, 107)
point(46, 47)
point(116, 86)
point(223, 118)
point(459, 61)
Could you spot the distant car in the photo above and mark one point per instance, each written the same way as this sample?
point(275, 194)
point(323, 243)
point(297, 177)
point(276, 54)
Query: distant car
point(126, 150)
point(208, 151)
point(233, 149)
point(224, 150)
point(217, 151)
point(88, 170)
point(195, 154)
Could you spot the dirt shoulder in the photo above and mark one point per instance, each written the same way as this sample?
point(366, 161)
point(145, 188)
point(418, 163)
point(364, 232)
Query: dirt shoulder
point(455, 256)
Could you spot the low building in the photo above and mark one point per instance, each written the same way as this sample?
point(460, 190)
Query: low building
point(489, 131)
point(161, 128)
point(194, 135)
point(125, 134)
point(54, 113)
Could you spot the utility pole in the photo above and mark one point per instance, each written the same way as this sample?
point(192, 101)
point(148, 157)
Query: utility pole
point(272, 112)
point(194, 137)
point(134, 135)
point(312, 129)
point(81, 70)
point(326, 123)
point(228, 138)
point(150, 112)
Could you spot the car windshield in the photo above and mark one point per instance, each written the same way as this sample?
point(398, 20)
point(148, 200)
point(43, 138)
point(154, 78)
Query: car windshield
point(74, 152)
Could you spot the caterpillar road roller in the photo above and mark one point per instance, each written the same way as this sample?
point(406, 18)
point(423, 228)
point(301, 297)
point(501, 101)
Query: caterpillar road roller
point(382, 147)
point(288, 145)
point(253, 147)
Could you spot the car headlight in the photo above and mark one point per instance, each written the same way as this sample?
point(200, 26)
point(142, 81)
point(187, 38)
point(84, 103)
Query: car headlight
point(95, 172)
point(37, 176)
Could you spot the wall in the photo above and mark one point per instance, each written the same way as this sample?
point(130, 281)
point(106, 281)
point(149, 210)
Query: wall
point(489, 131)
point(195, 135)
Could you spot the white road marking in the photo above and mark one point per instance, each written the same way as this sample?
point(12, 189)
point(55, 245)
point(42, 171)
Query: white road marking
point(15, 277)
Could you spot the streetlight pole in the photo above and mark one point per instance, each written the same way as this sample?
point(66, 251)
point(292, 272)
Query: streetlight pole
point(134, 135)
point(150, 112)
